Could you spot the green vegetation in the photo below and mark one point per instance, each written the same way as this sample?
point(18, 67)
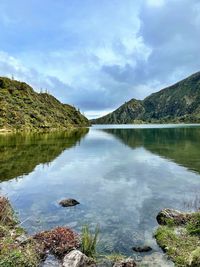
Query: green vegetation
point(13, 251)
point(115, 257)
point(181, 243)
point(179, 103)
point(89, 241)
point(21, 108)
point(193, 226)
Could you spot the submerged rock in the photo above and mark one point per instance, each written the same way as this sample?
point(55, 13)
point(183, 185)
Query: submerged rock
point(51, 261)
point(167, 216)
point(69, 202)
point(125, 263)
point(156, 259)
point(142, 249)
point(105, 263)
point(58, 241)
point(76, 258)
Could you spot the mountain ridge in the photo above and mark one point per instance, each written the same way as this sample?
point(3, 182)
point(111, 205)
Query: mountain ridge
point(176, 103)
point(21, 108)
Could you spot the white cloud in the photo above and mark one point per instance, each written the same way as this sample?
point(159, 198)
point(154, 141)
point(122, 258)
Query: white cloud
point(100, 54)
point(155, 3)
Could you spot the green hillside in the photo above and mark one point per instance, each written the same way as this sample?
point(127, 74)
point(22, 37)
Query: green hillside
point(177, 103)
point(21, 108)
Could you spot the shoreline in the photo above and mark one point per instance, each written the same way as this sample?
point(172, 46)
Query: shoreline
point(73, 127)
point(29, 130)
point(178, 236)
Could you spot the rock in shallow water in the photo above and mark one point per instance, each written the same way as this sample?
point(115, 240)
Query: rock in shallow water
point(125, 263)
point(51, 261)
point(156, 259)
point(69, 202)
point(142, 249)
point(77, 259)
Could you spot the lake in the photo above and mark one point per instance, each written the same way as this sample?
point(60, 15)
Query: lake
point(122, 175)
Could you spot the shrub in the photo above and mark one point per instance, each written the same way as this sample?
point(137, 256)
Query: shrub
point(89, 241)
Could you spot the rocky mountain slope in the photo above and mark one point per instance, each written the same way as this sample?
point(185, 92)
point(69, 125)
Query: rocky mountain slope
point(21, 108)
point(177, 103)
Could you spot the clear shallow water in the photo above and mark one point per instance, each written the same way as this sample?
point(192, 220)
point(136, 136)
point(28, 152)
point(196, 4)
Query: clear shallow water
point(122, 176)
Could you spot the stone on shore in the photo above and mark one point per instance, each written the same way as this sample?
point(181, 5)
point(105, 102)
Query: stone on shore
point(76, 258)
point(167, 216)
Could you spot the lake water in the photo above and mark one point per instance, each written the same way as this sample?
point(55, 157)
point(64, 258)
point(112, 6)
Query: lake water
point(122, 176)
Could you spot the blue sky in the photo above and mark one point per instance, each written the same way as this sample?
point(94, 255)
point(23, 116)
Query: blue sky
point(98, 54)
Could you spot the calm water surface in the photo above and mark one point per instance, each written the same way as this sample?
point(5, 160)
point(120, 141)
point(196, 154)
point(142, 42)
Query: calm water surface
point(122, 176)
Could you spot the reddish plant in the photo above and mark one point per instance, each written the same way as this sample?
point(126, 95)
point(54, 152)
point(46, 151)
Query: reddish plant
point(58, 241)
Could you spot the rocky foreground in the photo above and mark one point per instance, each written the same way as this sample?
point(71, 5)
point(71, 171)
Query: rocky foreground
point(19, 249)
point(178, 235)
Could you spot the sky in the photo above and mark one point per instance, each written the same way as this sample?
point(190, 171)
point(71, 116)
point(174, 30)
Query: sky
point(96, 54)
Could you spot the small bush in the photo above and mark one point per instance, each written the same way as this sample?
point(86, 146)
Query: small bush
point(89, 241)
point(19, 256)
point(59, 240)
point(193, 226)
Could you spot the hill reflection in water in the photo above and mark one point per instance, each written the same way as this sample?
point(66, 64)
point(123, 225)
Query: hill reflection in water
point(21, 153)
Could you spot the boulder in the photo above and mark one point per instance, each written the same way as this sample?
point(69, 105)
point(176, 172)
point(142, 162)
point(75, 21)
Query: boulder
point(69, 202)
point(125, 263)
point(76, 258)
point(170, 216)
point(142, 249)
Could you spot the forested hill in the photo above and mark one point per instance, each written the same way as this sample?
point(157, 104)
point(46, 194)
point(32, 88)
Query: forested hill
point(177, 103)
point(21, 108)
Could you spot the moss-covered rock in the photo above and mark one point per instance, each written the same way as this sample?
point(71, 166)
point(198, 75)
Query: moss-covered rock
point(173, 217)
point(180, 239)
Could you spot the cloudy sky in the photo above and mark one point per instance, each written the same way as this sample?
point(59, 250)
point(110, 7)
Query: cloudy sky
point(97, 54)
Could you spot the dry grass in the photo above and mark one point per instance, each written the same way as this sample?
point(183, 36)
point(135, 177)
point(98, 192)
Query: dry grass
point(13, 252)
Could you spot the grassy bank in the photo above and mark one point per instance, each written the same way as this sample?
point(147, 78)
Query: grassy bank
point(181, 240)
point(16, 249)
